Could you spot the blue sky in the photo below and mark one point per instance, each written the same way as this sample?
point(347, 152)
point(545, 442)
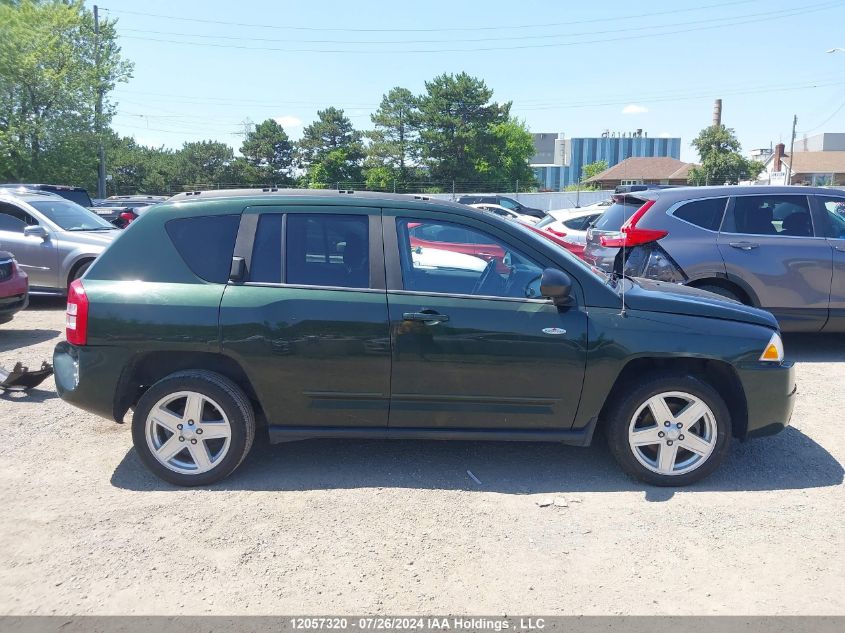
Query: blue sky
point(204, 67)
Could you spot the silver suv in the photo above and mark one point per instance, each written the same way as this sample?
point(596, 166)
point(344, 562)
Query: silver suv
point(777, 248)
point(53, 239)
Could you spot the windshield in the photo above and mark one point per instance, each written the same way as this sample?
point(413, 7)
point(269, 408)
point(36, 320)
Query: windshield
point(70, 216)
point(617, 213)
point(80, 197)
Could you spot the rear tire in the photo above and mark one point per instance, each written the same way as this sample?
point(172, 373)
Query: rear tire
point(193, 428)
point(669, 430)
point(80, 270)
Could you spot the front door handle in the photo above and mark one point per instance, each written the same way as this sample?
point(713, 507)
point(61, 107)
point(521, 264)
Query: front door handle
point(744, 246)
point(840, 248)
point(429, 317)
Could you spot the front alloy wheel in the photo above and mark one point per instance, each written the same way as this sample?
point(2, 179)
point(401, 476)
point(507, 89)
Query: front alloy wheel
point(672, 433)
point(668, 430)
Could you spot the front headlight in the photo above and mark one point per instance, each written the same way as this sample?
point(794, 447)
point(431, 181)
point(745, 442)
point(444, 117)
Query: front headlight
point(773, 352)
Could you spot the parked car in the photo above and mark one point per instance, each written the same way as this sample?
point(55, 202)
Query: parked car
point(54, 240)
point(306, 313)
point(608, 226)
point(641, 187)
point(506, 213)
point(502, 201)
point(14, 287)
point(122, 210)
point(572, 226)
point(79, 195)
point(779, 248)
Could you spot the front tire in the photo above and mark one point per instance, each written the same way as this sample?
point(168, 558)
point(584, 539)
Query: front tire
point(669, 430)
point(193, 428)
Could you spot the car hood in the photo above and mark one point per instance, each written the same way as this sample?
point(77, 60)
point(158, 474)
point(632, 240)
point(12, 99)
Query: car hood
point(661, 296)
point(89, 238)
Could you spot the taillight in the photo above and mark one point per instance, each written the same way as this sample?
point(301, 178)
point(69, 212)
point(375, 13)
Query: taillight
point(630, 235)
point(76, 319)
point(127, 216)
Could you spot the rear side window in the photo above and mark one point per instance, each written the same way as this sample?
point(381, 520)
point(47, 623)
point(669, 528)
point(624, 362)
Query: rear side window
point(770, 215)
point(266, 264)
point(617, 213)
point(580, 224)
point(704, 213)
point(327, 250)
point(206, 244)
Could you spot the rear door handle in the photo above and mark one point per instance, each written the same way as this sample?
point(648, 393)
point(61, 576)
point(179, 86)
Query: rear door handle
point(427, 317)
point(744, 246)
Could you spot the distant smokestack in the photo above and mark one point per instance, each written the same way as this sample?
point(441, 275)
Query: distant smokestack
point(777, 161)
point(717, 113)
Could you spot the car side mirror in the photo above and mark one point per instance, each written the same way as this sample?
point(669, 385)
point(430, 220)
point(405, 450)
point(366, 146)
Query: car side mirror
point(557, 286)
point(36, 230)
point(237, 273)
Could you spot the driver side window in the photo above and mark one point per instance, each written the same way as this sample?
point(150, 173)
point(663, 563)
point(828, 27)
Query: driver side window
point(13, 219)
point(449, 258)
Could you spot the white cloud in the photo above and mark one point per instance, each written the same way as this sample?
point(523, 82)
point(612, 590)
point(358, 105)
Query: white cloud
point(287, 120)
point(634, 108)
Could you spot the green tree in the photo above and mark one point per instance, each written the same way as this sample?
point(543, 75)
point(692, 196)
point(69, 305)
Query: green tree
point(204, 164)
point(593, 169)
point(50, 73)
point(268, 155)
point(721, 162)
point(331, 150)
point(393, 150)
point(505, 163)
point(457, 122)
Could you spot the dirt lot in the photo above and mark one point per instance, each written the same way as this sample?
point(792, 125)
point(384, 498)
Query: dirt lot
point(399, 527)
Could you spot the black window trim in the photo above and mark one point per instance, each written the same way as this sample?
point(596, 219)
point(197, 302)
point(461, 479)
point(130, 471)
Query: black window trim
point(819, 212)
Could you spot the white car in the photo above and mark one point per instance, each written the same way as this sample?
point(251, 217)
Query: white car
point(571, 224)
point(435, 258)
point(506, 213)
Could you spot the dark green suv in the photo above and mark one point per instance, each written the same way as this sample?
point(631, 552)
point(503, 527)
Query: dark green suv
point(341, 314)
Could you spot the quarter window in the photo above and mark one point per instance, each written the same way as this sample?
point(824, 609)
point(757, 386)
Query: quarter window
point(327, 250)
point(770, 215)
point(449, 258)
point(206, 244)
point(704, 213)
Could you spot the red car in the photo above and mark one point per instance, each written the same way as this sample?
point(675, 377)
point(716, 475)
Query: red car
point(559, 238)
point(14, 287)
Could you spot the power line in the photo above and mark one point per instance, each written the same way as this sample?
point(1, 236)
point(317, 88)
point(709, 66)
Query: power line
point(756, 19)
point(825, 122)
point(431, 30)
point(441, 41)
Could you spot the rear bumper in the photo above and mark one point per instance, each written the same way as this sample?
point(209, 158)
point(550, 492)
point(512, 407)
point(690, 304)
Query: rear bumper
point(89, 377)
point(770, 392)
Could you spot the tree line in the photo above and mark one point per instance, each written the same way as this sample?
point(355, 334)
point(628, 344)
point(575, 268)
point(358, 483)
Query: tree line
point(52, 65)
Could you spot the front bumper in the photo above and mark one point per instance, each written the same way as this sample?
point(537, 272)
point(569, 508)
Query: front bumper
point(770, 392)
point(89, 377)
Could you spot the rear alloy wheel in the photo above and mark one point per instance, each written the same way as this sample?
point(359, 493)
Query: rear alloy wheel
point(193, 428)
point(670, 431)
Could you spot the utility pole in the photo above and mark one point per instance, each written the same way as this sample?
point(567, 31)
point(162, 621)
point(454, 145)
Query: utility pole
point(788, 179)
point(98, 111)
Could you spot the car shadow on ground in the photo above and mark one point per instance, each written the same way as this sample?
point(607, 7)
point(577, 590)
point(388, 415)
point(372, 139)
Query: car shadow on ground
point(790, 460)
point(47, 302)
point(814, 348)
point(11, 339)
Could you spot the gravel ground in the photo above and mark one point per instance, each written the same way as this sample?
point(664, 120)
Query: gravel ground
point(400, 527)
